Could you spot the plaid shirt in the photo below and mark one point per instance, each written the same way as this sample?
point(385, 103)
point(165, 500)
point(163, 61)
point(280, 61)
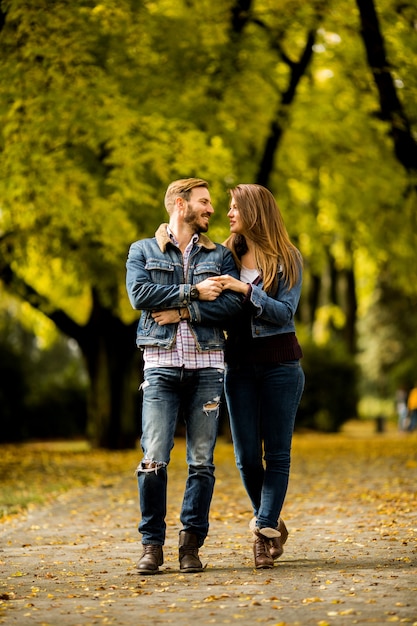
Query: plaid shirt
point(184, 352)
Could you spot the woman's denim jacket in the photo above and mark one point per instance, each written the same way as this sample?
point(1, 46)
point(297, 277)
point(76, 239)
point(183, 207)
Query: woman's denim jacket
point(274, 315)
point(155, 280)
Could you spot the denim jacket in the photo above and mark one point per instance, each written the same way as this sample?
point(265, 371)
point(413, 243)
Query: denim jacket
point(155, 280)
point(274, 315)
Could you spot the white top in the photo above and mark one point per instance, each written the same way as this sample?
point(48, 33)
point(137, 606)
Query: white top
point(247, 275)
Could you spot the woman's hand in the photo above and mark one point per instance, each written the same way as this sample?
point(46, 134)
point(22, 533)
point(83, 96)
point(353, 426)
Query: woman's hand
point(228, 282)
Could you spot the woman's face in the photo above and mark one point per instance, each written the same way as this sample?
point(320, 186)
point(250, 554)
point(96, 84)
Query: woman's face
point(234, 218)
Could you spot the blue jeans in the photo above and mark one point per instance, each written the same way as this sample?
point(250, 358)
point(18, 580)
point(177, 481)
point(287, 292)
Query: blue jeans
point(262, 401)
point(195, 394)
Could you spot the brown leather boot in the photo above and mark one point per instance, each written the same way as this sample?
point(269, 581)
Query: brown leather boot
point(188, 553)
point(151, 559)
point(276, 543)
point(263, 559)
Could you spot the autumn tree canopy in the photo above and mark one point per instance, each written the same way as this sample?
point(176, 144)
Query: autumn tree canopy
point(104, 103)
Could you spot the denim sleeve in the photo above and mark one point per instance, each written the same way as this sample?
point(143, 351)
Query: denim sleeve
point(143, 292)
point(279, 309)
point(225, 306)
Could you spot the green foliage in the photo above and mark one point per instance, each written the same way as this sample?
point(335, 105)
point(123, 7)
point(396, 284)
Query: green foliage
point(337, 169)
point(102, 104)
point(331, 393)
point(388, 332)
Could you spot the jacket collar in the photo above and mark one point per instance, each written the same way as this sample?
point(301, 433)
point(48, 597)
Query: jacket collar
point(162, 239)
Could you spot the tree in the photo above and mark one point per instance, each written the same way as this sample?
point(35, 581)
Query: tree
point(342, 174)
point(80, 166)
point(392, 110)
point(99, 112)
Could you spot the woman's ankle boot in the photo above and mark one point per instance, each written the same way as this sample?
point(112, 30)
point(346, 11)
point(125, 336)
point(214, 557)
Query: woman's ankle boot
point(263, 558)
point(276, 547)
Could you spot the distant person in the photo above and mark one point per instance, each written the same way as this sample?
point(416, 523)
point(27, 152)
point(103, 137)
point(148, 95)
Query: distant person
point(412, 409)
point(401, 408)
point(264, 379)
point(170, 278)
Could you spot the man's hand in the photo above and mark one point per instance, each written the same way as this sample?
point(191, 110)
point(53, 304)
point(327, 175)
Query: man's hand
point(209, 289)
point(170, 316)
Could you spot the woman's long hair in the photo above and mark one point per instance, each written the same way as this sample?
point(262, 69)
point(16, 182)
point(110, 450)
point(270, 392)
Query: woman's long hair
point(263, 224)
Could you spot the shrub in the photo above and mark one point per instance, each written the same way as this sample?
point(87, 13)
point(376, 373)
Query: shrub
point(330, 395)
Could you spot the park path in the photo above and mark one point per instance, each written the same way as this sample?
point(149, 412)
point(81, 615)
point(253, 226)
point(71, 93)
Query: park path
point(350, 557)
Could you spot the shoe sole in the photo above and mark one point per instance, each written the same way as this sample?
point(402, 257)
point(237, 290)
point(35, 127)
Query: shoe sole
point(192, 570)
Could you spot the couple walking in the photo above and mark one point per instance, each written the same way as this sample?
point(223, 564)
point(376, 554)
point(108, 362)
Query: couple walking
point(190, 290)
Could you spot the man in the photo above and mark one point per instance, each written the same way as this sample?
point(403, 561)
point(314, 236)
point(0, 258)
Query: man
point(170, 278)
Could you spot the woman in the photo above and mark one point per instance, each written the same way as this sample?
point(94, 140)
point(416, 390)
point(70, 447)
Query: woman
point(264, 379)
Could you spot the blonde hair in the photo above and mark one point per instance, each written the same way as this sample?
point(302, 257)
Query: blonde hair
point(182, 188)
point(263, 224)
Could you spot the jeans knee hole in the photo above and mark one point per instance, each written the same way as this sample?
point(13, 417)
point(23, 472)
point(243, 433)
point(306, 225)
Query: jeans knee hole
point(212, 405)
point(148, 465)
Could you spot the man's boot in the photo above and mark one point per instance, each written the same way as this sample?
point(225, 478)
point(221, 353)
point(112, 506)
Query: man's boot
point(151, 559)
point(188, 553)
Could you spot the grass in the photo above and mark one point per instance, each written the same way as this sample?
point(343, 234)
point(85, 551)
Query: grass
point(33, 473)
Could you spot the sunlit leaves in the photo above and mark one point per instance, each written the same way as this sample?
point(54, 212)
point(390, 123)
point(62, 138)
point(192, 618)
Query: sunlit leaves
point(100, 111)
point(102, 104)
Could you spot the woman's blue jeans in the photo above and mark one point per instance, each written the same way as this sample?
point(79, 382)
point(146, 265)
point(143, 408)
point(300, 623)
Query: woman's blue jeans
point(195, 395)
point(262, 401)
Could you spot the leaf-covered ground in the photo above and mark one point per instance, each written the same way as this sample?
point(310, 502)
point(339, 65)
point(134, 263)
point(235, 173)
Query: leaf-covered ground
point(69, 542)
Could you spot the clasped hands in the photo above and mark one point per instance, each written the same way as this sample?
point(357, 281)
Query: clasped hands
point(209, 290)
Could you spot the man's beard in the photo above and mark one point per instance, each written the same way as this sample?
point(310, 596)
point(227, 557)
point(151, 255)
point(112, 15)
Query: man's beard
point(191, 219)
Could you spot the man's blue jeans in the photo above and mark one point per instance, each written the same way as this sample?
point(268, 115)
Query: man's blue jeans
point(195, 395)
point(262, 402)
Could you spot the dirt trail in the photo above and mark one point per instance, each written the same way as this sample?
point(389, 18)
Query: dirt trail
point(350, 557)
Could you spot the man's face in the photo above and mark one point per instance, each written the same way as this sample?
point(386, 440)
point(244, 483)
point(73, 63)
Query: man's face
point(198, 210)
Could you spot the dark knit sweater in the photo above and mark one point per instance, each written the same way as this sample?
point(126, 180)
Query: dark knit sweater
point(242, 348)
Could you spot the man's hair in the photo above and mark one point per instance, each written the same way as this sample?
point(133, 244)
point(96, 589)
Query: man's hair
point(182, 188)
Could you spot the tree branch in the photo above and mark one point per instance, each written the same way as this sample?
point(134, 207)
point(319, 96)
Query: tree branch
point(2, 17)
point(405, 146)
point(276, 130)
point(27, 293)
point(240, 15)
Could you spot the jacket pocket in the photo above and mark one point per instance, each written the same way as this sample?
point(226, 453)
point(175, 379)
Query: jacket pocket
point(205, 269)
point(161, 271)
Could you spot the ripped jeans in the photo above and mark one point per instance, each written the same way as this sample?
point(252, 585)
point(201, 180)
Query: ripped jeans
point(194, 395)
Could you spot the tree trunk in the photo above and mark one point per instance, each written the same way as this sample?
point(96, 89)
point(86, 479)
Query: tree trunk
point(112, 361)
point(405, 145)
point(112, 410)
point(351, 311)
point(111, 356)
point(313, 297)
